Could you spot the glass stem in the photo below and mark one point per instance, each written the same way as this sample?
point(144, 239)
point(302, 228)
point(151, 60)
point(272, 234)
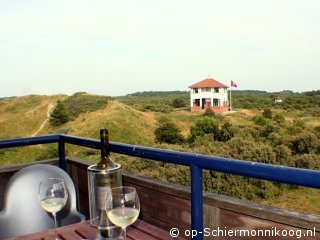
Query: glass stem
point(55, 220)
point(55, 226)
point(124, 233)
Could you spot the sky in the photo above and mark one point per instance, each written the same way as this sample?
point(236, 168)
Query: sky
point(118, 47)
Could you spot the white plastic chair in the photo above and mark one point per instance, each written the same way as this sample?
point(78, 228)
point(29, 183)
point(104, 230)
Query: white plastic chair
point(22, 213)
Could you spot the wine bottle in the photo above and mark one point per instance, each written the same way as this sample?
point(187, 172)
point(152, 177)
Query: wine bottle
point(105, 181)
point(105, 160)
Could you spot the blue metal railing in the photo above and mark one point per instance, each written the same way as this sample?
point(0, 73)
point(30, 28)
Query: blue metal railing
point(196, 162)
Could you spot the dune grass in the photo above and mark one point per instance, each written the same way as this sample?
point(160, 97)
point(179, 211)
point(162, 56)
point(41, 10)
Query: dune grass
point(21, 117)
point(26, 154)
point(302, 199)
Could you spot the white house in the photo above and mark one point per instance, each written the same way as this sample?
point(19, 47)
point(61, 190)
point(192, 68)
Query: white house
point(278, 100)
point(209, 93)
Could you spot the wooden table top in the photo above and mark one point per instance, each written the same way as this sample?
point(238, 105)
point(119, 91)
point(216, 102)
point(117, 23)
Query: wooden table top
point(140, 230)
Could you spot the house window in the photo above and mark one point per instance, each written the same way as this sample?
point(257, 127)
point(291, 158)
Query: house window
point(207, 89)
point(196, 102)
point(195, 90)
point(216, 102)
point(216, 90)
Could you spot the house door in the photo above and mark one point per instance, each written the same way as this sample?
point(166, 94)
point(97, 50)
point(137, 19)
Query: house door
point(203, 102)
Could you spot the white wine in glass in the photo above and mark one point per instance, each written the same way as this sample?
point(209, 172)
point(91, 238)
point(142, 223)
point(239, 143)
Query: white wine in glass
point(53, 197)
point(123, 207)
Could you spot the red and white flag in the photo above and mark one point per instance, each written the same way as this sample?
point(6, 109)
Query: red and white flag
point(233, 84)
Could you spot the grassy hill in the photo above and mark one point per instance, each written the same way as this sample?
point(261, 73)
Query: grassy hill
point(22, 116)
point(124, 123)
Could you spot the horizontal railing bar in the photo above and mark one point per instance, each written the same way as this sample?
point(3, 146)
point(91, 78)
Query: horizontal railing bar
point(18, 142)
point(81, 141)
point(270, 172)
point(278, 173)
point(162, 155)
point(130, 150)
point(298, 176)
point(126, 149)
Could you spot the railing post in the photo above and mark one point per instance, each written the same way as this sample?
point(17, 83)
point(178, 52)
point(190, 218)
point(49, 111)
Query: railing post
point(196, 201)
point(62, 154)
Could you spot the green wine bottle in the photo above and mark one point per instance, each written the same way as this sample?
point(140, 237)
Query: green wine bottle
point(108, 178)
point(105, 161)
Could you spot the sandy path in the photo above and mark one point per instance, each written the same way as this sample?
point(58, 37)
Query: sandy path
point(50, 107)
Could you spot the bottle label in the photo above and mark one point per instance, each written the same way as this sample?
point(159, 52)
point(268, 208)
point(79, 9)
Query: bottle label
point(103, 193)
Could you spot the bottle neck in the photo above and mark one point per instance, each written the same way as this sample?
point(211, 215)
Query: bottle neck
point(104, 141)
point(105, 161)
point(105, 152)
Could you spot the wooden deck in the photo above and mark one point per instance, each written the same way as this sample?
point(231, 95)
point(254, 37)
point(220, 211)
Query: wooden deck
point(140, 230)
point(167, 205)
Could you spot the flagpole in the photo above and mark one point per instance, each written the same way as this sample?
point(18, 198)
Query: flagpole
point(230, 99)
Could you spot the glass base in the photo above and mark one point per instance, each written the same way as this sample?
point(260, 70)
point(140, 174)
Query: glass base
point(110, 233)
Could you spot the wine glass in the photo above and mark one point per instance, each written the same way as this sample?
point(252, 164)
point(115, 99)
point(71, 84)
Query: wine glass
point(123, 207)
point(53, 197)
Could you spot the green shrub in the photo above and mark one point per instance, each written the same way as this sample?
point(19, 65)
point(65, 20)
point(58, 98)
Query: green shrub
point(304, 143)
point(317, 131)
point(276, 139)
point(204, 125)
point(283, 155)
point(267, 113)
point(168, 132)
point(156, 108)
point(178, 103)
point(244, 149)
point(308, 161)
point(59, 115)
point(251, 131)
point(298, 123)
point(267, 131)
point(50, 151)
point(279, 118)
point(209, 113)
point(83, 103)
point(225, 133)
point(260, 120)
point(238, 186)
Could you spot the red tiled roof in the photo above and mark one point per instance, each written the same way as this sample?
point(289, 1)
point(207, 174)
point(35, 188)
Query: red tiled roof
point(208, 82)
